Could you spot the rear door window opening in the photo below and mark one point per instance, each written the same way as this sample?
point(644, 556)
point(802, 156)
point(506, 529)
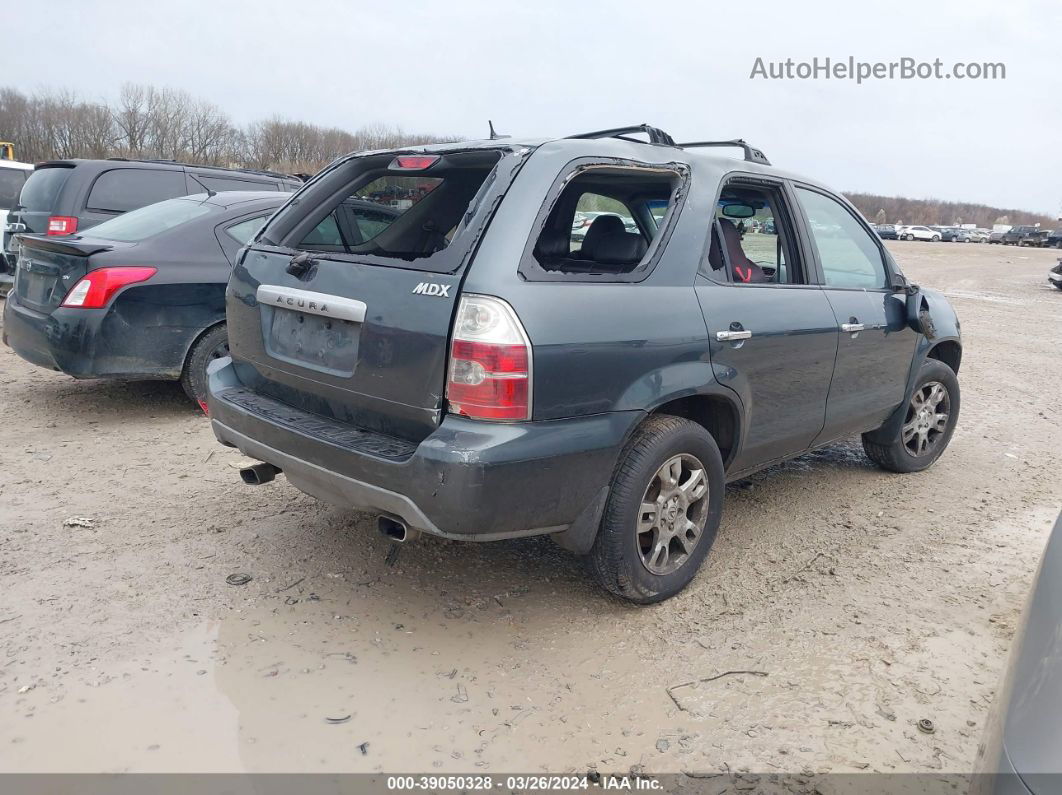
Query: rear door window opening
point(606, 223)
point(404, 211)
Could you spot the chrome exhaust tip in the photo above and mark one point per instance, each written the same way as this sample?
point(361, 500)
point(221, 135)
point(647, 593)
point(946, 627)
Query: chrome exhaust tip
point(257, 474)
point(396, 530)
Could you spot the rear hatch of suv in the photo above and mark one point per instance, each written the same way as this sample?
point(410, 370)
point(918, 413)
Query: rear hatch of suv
point(39, 199)
point(343, 306)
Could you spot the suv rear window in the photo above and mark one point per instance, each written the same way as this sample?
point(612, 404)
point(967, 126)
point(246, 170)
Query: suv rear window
point(42, 188)
point(379, 212)
point(122, 189)
point(151, 220)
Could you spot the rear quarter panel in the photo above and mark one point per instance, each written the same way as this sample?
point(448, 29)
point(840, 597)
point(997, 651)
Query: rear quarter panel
point(151, 326)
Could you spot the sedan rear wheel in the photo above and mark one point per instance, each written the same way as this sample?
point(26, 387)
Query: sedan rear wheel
point(213, 344)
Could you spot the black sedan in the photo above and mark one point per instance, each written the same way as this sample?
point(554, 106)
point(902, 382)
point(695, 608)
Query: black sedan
point(887, 231)
point(141, 296)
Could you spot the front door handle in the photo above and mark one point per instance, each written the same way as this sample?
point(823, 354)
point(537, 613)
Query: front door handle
point(731, 336)
point(852, 327)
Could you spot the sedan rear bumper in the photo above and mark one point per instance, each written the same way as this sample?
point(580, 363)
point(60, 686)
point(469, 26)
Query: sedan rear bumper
point(93, 343)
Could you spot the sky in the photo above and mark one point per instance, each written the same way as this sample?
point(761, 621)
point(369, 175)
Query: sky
point(548, 68)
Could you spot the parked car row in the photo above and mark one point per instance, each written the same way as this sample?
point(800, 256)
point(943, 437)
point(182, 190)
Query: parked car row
point(933, 234)
point(462, 363)
point(65, 197)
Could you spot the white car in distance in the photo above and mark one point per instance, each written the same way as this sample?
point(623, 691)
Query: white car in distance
point(919, 233)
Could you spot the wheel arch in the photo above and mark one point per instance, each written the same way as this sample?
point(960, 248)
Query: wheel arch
point(194, 339)
point(947, 351)
point(717, 413)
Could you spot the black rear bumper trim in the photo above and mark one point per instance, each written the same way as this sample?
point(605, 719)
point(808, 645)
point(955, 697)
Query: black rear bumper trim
point(330, 431)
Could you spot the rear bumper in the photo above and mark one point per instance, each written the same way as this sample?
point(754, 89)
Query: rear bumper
point(468, 480)
point(85, 343)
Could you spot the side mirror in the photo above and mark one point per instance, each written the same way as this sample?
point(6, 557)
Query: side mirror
point(898, 284)
point(918, 317)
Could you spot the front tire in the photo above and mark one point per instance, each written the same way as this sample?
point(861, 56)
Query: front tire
point(663, 511)
point(210, 346)
point(928, 424)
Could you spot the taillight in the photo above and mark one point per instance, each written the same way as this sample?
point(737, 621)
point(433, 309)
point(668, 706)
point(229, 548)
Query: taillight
point(62, 225)
point(490, 362)
point(97, 288)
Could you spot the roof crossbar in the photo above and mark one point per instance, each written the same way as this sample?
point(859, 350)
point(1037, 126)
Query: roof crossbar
point(752, 154)
point(656, 135)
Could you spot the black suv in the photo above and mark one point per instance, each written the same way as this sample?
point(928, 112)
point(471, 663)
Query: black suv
point(1025, 236)
point(471, 370)
point(62, 197)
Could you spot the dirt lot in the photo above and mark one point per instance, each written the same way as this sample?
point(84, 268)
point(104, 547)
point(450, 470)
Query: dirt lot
point(864, 601)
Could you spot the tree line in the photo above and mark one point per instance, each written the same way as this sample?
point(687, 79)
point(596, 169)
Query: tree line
point(148, 122)
point(899, 209)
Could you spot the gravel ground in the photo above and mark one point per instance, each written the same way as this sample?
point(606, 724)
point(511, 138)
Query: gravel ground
point(840, 604)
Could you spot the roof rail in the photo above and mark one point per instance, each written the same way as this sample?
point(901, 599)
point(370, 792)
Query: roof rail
point(656, 135)
point(171, 161)
point(751, 155)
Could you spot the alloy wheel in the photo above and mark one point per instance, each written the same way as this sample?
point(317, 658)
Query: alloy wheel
point(672, 514)
point(928, 415)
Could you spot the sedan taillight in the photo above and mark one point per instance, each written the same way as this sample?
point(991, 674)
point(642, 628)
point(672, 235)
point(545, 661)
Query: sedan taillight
point(97, 288)
point(489, 373)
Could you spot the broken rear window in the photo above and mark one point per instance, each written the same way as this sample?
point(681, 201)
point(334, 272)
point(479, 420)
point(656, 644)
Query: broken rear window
point(390, 209)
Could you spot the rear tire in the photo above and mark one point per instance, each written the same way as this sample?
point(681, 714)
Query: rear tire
point(213, 344)
point(904, 453)
point(658, 524)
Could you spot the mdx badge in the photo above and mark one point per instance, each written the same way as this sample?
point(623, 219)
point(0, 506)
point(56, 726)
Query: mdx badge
point(431, 288)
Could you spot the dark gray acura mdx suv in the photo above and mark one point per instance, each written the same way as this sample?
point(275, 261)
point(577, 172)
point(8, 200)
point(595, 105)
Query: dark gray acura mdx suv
point(469, 367)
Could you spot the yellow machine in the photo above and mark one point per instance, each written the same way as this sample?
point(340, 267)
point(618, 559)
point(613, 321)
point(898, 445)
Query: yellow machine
point(7, 150)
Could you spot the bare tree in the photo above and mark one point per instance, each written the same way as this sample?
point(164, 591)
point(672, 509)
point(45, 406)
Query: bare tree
point(131, 117)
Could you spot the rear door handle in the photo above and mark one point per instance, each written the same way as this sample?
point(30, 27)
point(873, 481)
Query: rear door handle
point(852, 327)
point(730, 336)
